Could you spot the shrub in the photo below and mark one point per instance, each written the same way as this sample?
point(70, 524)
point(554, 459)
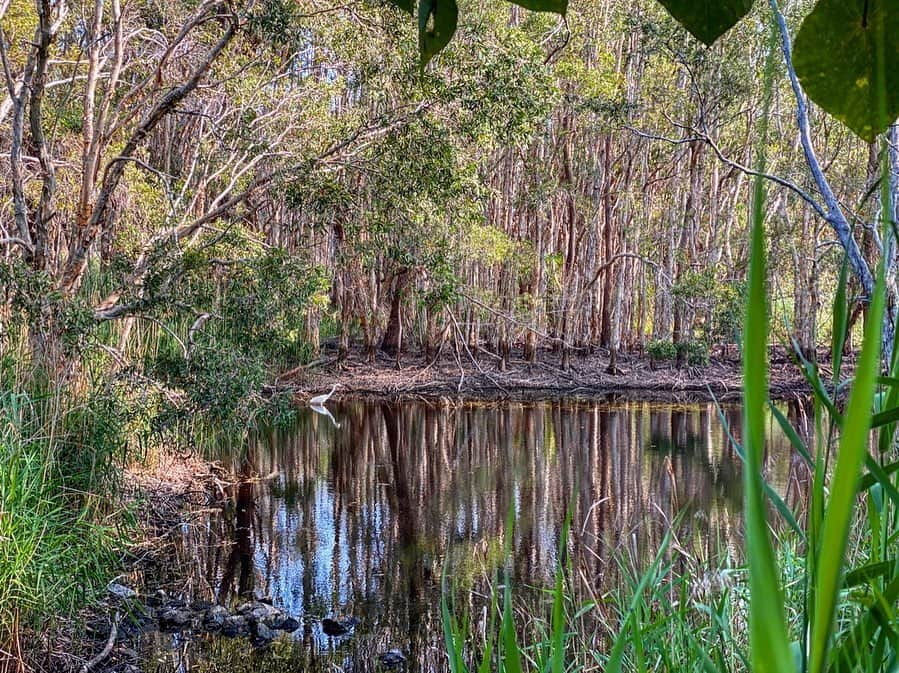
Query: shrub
point(661, 349)
point(693, 352)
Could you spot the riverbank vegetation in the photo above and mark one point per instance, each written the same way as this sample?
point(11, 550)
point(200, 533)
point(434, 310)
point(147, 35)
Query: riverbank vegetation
point(203, 199)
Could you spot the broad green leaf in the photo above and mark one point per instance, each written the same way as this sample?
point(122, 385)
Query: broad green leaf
point(557, 6)
point(707, 20)
point(406, 5)
point(835, 55)
point(869, 479)
point(868, 572)
point(437, 21)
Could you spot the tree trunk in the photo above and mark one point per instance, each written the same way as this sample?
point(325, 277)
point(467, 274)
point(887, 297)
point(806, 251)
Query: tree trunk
point(392, 341)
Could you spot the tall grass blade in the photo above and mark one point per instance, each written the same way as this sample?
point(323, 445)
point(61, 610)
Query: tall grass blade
point(769, 643)
point(628, 621)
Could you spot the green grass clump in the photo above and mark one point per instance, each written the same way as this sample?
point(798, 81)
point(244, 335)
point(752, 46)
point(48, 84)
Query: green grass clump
point(58, 537)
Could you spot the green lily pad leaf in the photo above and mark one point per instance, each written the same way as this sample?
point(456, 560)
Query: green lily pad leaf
point(405, 5)
point(437, 21)
point(835, 56)
point(707, 20)
point(557, 6)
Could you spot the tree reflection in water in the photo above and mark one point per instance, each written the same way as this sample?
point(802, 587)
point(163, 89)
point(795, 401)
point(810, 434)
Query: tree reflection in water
point(360, 520)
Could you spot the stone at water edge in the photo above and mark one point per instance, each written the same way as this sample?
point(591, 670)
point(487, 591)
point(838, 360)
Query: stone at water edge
point(281, 622)
point(392, 658)
point(333, 628)
point(121, 591)
point(234, 626)
point(289, 625)
point(159, 597)
point(262, 635)
point(215, 617)
point(175, 618)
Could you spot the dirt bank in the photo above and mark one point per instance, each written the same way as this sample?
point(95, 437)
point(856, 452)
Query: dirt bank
point(481, 378)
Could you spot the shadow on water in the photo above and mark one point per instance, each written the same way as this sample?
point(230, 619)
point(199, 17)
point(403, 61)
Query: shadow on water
point(359, 519)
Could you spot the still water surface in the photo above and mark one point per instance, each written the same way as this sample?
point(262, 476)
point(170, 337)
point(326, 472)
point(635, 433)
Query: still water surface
point(360, 520)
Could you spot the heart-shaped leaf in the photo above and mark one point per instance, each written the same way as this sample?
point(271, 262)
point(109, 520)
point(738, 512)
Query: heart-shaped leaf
point(557, 6)
point(707, 20)
point(437, 21)
point(835, 56)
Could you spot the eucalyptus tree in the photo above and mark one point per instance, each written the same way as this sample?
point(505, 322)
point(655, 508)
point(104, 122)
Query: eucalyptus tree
point(142, 132)
point(845, 57)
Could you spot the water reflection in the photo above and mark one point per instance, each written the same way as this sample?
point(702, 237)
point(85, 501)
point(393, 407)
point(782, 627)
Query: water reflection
point(359, 520)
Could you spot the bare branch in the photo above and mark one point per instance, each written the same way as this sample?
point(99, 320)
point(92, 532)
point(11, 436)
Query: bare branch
point(834, 216)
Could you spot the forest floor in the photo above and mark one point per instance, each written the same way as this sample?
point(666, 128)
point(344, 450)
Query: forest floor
point(479, 377)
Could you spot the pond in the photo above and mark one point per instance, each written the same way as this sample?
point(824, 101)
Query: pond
point(360, 520)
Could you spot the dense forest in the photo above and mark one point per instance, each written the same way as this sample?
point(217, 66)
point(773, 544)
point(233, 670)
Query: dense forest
point(206, 200)
point(257, 178)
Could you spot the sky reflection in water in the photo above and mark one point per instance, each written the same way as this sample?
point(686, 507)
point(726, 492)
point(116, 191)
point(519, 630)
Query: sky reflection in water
point(359, 520)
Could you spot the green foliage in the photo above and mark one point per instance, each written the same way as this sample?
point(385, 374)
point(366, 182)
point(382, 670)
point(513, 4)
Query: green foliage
point(727, 312)
point(707, 20)
point(253, 319)
point(56, 461)
point(661, 349)
point(437, 20)
point(694, 352)
point(276, 22)
point(842, 49)
point(436, 24)
point(836, 57)
point(691, 351)
point(35, 302)
point(695, 284)
point(768, 637)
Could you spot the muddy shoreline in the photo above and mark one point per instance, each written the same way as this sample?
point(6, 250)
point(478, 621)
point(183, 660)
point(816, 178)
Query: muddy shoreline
point(481, 379)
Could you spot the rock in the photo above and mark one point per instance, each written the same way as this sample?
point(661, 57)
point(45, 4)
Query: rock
point(121, 591)
point(215, 617)
point(262, 634)
point(234, 625)
point(262, 597)
point(273, 618)
point(255, 610)
point(282, 622)
point(392, 659)
point(159, 597)
point(261, 612)
point(334, 628)
point(174, 618)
